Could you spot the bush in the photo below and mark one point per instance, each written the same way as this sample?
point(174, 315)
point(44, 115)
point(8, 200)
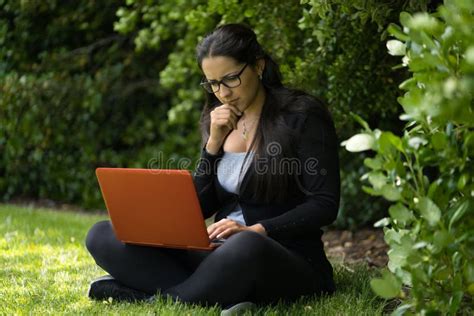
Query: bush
point(74, 95)
point(427, 172)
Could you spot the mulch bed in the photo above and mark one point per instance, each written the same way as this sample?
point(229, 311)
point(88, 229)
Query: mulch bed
point(362, 246)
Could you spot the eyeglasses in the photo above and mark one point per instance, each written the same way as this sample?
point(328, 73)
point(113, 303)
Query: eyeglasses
point(232, 81)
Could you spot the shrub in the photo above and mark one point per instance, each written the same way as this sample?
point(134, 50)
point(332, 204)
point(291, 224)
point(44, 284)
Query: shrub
point(426, 173)
point(74, 95)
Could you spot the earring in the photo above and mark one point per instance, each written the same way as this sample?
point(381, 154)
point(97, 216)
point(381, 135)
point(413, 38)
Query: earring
point(260, 76)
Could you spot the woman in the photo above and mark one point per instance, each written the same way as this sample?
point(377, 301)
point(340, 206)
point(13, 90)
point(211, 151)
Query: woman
point(268, 171)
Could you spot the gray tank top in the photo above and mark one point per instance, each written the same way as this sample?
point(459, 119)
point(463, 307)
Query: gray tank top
point(230, 178)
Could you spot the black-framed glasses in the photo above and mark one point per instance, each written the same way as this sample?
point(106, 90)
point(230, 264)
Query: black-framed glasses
point(232, 81)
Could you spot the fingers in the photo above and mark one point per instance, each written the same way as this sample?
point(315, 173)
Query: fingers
point(212, 228)
point(231, 107)
point(226, 113)
point(223, 229)
point(224, 121)
point(228, 232)
point(224, 116)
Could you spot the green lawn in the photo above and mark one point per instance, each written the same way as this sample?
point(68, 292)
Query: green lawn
point(45, 269)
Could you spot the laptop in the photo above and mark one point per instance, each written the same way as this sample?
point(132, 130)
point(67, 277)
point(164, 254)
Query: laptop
point(154, 207)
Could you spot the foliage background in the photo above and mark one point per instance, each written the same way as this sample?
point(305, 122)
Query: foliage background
point(114, 83)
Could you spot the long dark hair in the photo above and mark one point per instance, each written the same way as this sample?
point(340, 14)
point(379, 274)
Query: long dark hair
point(273, 140)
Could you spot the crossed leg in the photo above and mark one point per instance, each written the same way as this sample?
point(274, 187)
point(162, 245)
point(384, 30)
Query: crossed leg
point(248, 266)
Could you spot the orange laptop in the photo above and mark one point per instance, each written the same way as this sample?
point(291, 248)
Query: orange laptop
point(154, 207)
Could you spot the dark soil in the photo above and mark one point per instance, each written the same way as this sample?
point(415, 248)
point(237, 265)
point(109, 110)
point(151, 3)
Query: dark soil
point(364, 245)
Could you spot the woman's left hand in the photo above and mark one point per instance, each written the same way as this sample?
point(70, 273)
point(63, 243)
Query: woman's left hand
point(227, 227)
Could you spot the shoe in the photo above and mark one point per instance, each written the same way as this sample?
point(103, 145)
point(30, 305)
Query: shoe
point(238, 309)
point(107, 287)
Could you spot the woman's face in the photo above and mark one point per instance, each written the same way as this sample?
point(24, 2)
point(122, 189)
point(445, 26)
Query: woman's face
point(218, 67)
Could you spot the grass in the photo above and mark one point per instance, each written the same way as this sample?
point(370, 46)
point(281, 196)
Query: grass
point(45, 269)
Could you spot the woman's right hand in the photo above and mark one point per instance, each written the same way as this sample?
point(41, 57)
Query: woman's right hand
point(224, 119)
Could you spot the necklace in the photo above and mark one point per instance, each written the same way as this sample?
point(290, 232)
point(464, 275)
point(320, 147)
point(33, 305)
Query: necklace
point(246, 130)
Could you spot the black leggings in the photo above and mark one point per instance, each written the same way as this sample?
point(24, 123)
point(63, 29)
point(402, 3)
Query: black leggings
point(247, 267)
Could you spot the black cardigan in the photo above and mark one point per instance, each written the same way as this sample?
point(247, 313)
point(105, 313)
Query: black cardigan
point(297, 223)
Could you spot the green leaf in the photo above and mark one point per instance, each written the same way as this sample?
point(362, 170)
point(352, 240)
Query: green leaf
point(418, 274)
point(391, 193)
point(370, 191)
point(442, 274)
point(405, 18)
point(463, 180)
point(460, 209)
point(391, 236)
point(429, 210)
point(411, 102)
point(377, 179)
point(433, 189)
point(399, 253)
point(396, 31)
point(373, 163)
point(468, 272)
point(456, 259)
point(455, 301)
point(400, 168)
point(387, 140)
point(387, 287)
point(407, 84)
point(423, 21)
point(401, 214)
point(470, 289)
point(441, 240)
point(361, 121)
point(249, 13)
point(439, 140)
